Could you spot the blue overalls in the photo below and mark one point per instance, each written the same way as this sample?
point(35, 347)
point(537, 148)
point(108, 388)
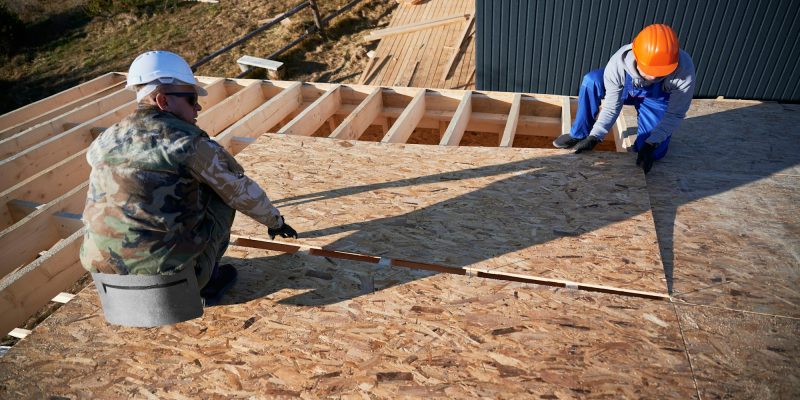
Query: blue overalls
point(650, 102)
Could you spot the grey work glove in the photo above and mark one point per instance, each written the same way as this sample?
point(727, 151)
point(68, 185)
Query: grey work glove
point(586, 144)
point(285, 231)
point(645, 158)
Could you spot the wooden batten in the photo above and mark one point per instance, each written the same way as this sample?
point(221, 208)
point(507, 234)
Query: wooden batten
point(263, 118)
point(55, 101)
point(312, 118)
point(407, 121)
point(361, 118)
point(510, 130)
point(455, 131)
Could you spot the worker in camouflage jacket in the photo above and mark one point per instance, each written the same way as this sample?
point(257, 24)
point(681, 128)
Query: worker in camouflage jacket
point(162, 194)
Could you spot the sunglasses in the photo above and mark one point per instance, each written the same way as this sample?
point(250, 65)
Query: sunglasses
point(191, 97)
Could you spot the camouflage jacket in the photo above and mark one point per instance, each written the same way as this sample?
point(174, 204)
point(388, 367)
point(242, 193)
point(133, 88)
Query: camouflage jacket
point(151, 181)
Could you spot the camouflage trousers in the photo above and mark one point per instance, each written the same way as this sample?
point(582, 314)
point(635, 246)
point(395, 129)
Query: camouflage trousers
point(220, 217)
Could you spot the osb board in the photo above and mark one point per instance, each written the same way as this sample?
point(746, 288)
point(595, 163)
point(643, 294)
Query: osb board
point(298, 326)
point(739, 355)
point(725, 202)
point(547, 213)
point(418, 58)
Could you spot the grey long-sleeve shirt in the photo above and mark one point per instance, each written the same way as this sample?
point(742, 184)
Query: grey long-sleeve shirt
point(679, 84)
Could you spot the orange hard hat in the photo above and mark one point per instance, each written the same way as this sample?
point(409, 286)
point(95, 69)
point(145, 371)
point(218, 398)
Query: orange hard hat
point(656, 50)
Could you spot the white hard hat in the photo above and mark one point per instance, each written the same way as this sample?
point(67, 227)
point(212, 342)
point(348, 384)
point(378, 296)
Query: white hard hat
point(163, 66)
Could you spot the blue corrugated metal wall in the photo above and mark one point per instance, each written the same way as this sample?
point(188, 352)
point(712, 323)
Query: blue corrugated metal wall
point(747, 49)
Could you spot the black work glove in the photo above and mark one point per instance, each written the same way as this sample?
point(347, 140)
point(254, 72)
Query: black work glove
point(645, 158)
point(586, 144)
point(285, 231)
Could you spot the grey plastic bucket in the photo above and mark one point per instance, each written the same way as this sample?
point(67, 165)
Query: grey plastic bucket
point(149, 300)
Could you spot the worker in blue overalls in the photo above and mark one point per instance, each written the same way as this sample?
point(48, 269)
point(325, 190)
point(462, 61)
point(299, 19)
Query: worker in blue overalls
point(652, 74)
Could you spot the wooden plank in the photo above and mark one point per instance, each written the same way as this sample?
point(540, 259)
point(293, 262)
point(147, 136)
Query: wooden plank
point(407, 121)
point(63, 298)
point(53, 127)
point(258, 243)
point(455, 131)
point(566, 115)
point(361, 118)
point(63, 109)
point(216, 91)
point(231, 109)
point(19, 333)
point(623, 133)
point(373, 57)
point(29, 289)
point(507, 140)
point(264, 117)
point(382, 33)
point(249, 61)
point(459, 46)
point(22, 242)
point(37, 158)
point(35, 109)
point(46, 185)
point(312, 118)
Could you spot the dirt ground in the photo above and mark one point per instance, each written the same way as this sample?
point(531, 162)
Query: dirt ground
point(61, 46)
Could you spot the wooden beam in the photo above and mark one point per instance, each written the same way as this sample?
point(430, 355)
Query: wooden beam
point(232, 109)
point(23, 140)
point(27, 290)
point(458, 47)
point(480, 122)
point(418, 26)
point(312, 118)
point(263, 118)
point(64, 222)
point(20, 209)
point(216, 91)
point(507, 140)
point(361, 118)
point(566, 115)
point(624, 134)
point(37, 158)
point(21, 243)
point(407, 121)
point(471, 271)
point(455, 131)
point(46, 185)
point(45, 105)
point(63, 109)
